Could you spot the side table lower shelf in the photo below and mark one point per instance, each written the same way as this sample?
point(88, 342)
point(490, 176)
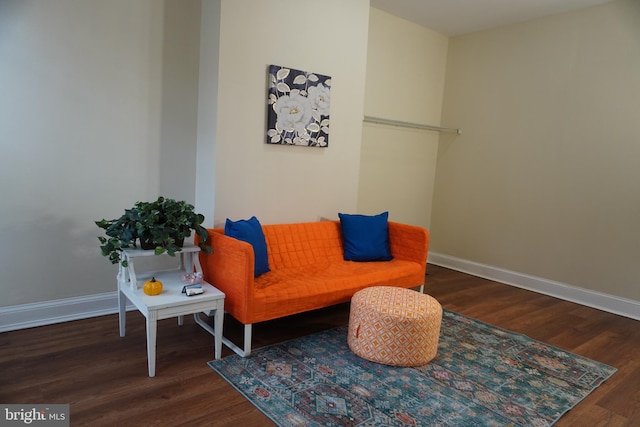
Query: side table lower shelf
point(172, 303)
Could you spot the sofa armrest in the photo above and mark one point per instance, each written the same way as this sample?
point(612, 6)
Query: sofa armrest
point(409, 242)
point(229, 267)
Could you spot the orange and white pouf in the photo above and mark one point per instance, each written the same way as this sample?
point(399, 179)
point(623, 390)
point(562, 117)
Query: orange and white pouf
point(394, 326)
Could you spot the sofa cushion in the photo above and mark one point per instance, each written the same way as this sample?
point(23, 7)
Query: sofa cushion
point(303, 244)
point(250, 231)
point(365, 237)
point(296, 290)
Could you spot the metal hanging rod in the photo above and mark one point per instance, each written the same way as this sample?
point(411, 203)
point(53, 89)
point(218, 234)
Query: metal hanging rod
point(409, 125)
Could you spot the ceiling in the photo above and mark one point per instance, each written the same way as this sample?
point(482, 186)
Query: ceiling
point(456, 17)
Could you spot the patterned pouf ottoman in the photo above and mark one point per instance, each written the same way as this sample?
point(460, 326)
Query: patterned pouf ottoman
point(394, 326)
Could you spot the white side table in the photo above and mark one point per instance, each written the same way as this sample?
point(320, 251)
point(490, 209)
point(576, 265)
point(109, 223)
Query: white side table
point(171, 302)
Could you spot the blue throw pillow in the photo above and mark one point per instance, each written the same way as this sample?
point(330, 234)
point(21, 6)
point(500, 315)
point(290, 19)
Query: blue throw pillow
point(365, 238)
point(250, 231)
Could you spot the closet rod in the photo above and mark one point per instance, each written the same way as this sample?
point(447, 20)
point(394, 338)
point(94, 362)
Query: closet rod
point(410, 125)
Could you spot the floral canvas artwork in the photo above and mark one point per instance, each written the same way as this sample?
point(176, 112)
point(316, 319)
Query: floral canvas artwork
point(298, 112)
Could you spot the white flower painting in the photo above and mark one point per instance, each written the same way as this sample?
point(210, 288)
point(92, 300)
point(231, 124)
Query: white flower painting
point(298, 112)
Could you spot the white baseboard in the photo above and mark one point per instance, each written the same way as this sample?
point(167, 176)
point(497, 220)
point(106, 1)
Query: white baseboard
point(57, 311)
point(64, 310)
point(610, 303)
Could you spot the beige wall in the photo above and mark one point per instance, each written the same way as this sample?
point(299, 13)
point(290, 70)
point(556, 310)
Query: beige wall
point(405, 82)
point(544, 180)
point(102, 106)
point(207, 108)
point(276, 183)
point(100, 99)
point(98, 108)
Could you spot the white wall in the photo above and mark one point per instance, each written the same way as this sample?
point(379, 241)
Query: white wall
point(99, 99)
point(101, 107)
point(98, 104)
point(544, 180)
point(207, 109)
point(276, 183)
point(405, 82)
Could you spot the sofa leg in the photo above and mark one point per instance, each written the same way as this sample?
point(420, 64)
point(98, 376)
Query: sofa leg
point(422, 288)
point(247, 343)
point(247, 340)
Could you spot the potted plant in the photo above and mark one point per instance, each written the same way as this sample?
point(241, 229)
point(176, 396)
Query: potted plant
point(161, 225)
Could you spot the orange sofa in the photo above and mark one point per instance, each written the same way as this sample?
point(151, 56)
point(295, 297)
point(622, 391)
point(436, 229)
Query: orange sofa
point(307, 270)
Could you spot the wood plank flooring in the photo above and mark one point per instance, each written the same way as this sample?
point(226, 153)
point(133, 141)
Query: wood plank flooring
point(104, 377)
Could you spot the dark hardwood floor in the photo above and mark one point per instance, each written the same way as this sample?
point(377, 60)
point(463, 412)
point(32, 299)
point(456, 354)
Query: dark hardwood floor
point(104, 377)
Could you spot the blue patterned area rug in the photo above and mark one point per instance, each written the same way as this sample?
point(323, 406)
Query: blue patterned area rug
point(482, 376)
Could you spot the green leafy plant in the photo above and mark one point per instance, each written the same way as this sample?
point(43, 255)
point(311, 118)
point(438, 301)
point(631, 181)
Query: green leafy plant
point(161, 225)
